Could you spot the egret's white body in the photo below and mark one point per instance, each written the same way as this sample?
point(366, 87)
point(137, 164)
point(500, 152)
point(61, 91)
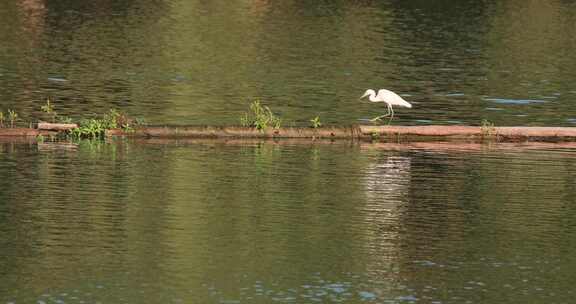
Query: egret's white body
point(388, 97)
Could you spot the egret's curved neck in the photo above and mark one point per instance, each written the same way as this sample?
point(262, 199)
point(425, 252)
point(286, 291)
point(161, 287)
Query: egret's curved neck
point(372, 96)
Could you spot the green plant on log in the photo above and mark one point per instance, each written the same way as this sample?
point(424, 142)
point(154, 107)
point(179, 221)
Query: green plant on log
point(89, 128)
point(12, 117)
point(138, 121)
point(95, 128)
point(316, 122)
point(487, 128)
point(119, 120)
point(260, 117)
point(48, 108)
point(64, 119)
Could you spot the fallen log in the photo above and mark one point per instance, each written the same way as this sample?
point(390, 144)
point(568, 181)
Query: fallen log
point(372, 133)
point(25, 132)
point(237, 132)
point(380, 133)
point(56, 126)
point(472, 132)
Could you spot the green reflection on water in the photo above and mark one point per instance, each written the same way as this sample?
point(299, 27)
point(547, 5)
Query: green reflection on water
point(192, 62)
point(257, 222)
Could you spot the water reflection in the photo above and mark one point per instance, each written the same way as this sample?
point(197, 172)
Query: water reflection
point(193, 62)
point(387, 183)
point(34, 12)
point(291, 221)
point(261, 222)
point(387, 186)
point(388, 179)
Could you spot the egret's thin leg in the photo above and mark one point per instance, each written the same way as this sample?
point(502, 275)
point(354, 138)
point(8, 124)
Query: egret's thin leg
point(387, 114)
point(391, 113)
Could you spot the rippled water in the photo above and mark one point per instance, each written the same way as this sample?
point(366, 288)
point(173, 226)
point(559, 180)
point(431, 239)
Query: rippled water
point(286, 222)
point(196, 62)
point(290, 221)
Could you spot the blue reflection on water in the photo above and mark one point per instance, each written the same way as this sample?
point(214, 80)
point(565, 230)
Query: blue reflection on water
point(515, 101)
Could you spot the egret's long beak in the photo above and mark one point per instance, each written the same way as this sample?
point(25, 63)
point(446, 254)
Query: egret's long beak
point(366, 94)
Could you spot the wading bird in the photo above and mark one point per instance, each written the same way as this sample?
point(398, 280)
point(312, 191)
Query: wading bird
point(389, 97)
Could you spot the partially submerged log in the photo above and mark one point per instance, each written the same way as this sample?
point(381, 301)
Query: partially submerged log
point(238, 132)
point(374, 133)
point(25, 132)
point(380, 133)
point(56, 126)
point(472, 132)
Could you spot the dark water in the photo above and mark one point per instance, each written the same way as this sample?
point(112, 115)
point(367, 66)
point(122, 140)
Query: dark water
point(289, 222)
point(201, 62)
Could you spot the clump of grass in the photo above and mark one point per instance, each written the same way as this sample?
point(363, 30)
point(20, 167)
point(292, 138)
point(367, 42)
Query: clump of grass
point(95, 128)
point(315, 122)
point(488, 129)
point(64, 119)
point(119, 120)
point(89, 128)
point(92, 128)
point(48, 108)
point(260, 117)
point(12, 117)
point(138, 121)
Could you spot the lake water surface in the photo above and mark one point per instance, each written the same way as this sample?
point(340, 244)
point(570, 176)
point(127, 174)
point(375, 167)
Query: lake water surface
point(151, 221)
point(287, 222)
point(201, 62)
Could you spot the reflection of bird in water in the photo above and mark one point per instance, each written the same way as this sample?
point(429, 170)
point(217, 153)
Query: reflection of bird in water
point(389, 97)
point(387, 186)
point(389, 179)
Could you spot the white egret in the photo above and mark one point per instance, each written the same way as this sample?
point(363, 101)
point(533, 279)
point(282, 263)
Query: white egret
point(389, 97)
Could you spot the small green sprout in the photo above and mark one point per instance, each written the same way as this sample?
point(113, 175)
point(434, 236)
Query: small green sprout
point(316, 122)
point(12, 117)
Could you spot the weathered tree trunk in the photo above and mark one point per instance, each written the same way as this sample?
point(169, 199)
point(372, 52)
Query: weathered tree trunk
point(381, 133)
point(239, 132)
point(56, 126)
point(377, 133)
point(25, 132)
point(471, 132)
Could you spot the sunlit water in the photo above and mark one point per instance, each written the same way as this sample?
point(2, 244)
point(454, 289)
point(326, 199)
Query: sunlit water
point(288, 222)
point(201, 62)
